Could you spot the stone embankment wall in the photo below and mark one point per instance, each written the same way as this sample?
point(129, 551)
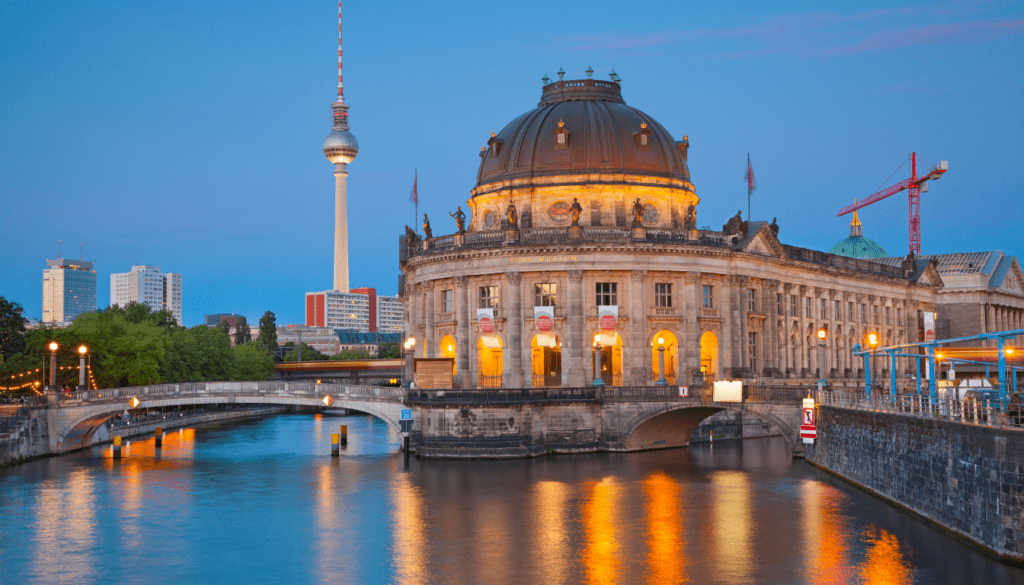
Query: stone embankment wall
point(29, 439)
point(968, 479)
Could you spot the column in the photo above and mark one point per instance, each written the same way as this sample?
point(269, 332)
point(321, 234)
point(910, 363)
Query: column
point(576, 342)
point(990, 324)
point(513, 354)
point(739, 313)
point(725, 341)
point(689, 353)
point(462, 331)
point(639, 370)
point(770, 329)
point(429, 344)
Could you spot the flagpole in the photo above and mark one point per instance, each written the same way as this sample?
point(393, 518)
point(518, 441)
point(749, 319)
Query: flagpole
point(416, 203)
point(748, 186)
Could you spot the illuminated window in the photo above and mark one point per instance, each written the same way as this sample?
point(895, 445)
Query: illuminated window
point(544, 294)
point(607, 293)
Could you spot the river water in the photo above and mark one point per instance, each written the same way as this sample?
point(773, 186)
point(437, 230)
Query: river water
point(261, 501)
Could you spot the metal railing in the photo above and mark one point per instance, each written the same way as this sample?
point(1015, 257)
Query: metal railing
point(241, 388)
point(970, 411)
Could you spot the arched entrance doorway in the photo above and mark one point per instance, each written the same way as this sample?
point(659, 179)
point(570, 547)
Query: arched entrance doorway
point(488, 361)
point(611, 358)
point(546, 360)
point(709, 356)
point(447, 349)
point(665, 339)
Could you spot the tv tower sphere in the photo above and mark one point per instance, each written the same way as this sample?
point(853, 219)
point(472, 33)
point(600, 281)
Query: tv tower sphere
point(340, 146)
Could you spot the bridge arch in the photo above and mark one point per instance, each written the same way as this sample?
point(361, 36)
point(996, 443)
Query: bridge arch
point(670, 425)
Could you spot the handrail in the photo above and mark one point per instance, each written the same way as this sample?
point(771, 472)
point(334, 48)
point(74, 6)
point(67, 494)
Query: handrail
point(968, 411)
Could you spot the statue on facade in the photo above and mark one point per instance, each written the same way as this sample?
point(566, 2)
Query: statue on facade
point(690, 221)
point(412, 240)
point(460, 219)
point(909, 263)
point(735, 226)
point(513, 217)
point(575, 210)
point(427, 233)
point(638, 213)
point(775, 227)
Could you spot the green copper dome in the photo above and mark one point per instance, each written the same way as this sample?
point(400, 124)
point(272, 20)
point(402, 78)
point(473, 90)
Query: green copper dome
point(859, 247)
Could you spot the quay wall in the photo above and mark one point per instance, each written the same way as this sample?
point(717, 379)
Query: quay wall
point(30, 438)
point(968, 479)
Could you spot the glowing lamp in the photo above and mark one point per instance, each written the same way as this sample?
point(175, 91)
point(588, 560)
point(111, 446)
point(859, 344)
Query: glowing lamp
point(450, 347)
point(661, 341)
point(83, 350)
point(1009, 351)
point(53, 346)
point(822, 334)
point(873, 339)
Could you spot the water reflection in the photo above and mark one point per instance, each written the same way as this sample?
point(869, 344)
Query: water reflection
point(666, 559)
point(65, 529)
point(732, 525)
point(550, 509)
point(825, 547)
point(884, 563)
point(409, 525)
point(601, 552)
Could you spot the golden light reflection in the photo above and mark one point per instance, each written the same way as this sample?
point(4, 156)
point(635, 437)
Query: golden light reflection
point(732, 525)
point(550, 501)
point(825, 547)
point(409, 524)
point(66, 522)
point(884, 563)
point(666, 557)
point(600, 557)
point(334, 561)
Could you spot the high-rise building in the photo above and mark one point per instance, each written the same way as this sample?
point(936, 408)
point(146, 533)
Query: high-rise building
point(361, 310)
point(341, 148)
point(69, 289)
point(148, 286)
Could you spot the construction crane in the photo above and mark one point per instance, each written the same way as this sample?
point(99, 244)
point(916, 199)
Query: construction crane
point(914, 186)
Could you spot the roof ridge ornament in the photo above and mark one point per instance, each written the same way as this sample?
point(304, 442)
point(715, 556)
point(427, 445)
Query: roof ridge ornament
point(561, 74)
point(589, 72)
point(561, 124)
point(545, 79)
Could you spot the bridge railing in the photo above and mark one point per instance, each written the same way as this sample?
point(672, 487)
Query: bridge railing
point(594, 394)
point(244, 388)
point(969, 411)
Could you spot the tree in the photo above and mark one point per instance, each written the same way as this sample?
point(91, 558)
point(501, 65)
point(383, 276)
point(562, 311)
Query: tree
point(243, 334)
point(225, 327)
point(12, 329)
point(352, 354)
point(389, 350)
point(309, 354)
point(268, 332)
point(251, 363)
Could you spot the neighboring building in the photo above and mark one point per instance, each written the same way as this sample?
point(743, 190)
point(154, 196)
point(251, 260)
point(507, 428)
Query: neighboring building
point(214, 320)
point(69, 289)
point(359, 310)
point(581, 238)
point(322, 339)
point(148, 286)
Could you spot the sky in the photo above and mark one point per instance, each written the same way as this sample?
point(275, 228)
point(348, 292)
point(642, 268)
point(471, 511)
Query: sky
point(188, 135)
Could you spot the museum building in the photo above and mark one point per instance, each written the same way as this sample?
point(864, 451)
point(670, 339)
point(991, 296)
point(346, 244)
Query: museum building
point(581, 260)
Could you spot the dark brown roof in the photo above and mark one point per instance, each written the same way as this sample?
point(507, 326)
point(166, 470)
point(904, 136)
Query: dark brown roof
point(603, 137)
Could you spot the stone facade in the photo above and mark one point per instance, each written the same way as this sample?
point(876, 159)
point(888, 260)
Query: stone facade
point(967, 479)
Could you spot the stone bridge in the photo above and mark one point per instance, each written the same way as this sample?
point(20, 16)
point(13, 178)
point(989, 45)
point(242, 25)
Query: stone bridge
point(75, 418)
point(476, 423)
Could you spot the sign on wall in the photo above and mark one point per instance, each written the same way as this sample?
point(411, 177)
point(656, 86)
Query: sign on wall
point(808, 427)
point(544, 318)
point(929, 326)
point(485, 320)
point(728, 391)
point(608, 317)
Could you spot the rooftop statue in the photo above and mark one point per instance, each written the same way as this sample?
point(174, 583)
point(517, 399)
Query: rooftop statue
point(638, 213)
point(460, 219)
point(735, 226)
point(690, 221)
point(427, 233)
point(575, 210)
point(775, 227)
point(513, 217)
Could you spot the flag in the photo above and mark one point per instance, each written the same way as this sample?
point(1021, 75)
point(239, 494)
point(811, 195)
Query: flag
point(751, 185)
point(414, 196)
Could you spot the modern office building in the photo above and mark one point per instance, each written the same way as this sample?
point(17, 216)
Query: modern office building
point(361, 310)
point(390, 315)
point(69, 289)
point(148, 286)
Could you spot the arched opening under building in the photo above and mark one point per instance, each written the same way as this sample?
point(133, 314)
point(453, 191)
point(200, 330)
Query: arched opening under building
point(675, 428)
point(546, 360)
point(709, 356)
point(448, 349)
point(664, 343)
point(610, 344)
point(489, 361)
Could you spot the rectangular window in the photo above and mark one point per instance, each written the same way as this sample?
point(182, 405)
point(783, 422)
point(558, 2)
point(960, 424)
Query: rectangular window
point(488, 297)
point(863, 313)
point(793, 307)
point(899, 317)
point(850, 316)
point(888, 316)
point(823, 308)
point(607, 293)
point(446, 301)
point(662, 294)
point(752, 345)
point(807, 308)
point(751, 300)
point(874, 313)
point(707, 296)
point(837, 309)
point(780, 305)
point(544, 294)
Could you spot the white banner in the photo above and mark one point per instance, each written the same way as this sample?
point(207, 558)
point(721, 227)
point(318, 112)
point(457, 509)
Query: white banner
point(608, 317)
point(929, 326)
point(728, 391)
point(544, 318)
point(485, 320)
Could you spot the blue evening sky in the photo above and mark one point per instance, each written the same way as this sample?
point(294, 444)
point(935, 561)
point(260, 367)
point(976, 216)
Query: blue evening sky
point(188, 135)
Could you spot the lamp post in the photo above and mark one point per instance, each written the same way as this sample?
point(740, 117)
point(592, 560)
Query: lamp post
point(410, 346)
point(873, 342)
point(82, 351)
point(53, 365)
point(822, 335)
point(661, 363)
point(597, 361)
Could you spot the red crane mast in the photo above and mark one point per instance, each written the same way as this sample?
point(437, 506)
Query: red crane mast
point(914, 185)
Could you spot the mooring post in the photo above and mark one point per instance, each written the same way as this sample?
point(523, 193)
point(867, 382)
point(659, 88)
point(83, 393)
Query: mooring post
point(117, 448)
point(334, 445)
point(158, 436)
point(344, 434)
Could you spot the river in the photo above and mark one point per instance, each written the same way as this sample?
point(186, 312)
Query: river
point(262, 501)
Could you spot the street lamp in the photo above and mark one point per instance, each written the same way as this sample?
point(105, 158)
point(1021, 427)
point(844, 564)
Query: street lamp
point(82, 352)
point(873, 342)
point(597, 361)
point(53, 365)
point(661, 363)
point(410, 345)
point(822, 336)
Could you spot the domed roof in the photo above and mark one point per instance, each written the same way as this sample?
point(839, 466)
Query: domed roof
point(859, 247)
point(600, 134)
